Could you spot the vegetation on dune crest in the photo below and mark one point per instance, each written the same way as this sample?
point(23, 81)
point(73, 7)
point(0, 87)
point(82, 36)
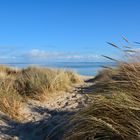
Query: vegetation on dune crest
point(34, 82)
point(31, 82)
point(10, 100)
point(115, 112)
point(11, 103)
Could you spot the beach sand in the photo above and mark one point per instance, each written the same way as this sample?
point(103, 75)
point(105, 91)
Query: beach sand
point(45, 114)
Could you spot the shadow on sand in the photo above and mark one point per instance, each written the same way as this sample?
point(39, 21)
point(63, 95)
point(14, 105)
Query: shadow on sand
point(34, 130)
point(37, 130)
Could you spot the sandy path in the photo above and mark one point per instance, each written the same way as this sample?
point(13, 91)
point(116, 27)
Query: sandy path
point(41, 117)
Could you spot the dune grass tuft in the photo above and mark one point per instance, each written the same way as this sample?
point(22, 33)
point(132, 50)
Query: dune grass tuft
point(114, 117)
point(104, 119)
point(17, 85)
point(11, 104)
point(36, 82)
point(10, 100)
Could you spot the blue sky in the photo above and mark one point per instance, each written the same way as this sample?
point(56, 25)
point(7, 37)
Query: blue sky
point(65, 30)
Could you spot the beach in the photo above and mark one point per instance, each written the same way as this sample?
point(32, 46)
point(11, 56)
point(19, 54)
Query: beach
point(39, 103)
point(49, 112)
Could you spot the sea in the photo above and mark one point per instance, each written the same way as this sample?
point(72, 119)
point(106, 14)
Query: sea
point(82, 68)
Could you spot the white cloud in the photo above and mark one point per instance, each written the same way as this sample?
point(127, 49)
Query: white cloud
point(43, 55)
point(7, 57)
point(40, 55)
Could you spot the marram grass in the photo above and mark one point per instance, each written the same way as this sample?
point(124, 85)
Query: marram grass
point(114, 113)
point(16, 85)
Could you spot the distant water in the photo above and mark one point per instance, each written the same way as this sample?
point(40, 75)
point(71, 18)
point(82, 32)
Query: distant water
point(83, 68)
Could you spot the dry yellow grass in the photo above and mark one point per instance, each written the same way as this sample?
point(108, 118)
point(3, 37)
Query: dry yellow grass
point(36, 82)
point(11, 105)
point(32, 82)
point(10, 100)
point(104, 120)
point(113, 117)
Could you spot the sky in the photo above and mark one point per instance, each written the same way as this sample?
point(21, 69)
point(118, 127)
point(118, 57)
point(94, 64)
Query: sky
point(65, 30)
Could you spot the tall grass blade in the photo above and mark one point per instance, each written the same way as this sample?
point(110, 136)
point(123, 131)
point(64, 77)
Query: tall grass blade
point(112, 44)
point(137, 43)
point(125, 39)
point(128, 47)
point(132, 51)
point(110, 58)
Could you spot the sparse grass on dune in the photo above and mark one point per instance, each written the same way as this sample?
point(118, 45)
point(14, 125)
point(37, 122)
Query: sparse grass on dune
point(125, 78)
point(9, 71)
point(32, 82)
point(10, 100)
point(74, 77)
point(11, 104)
